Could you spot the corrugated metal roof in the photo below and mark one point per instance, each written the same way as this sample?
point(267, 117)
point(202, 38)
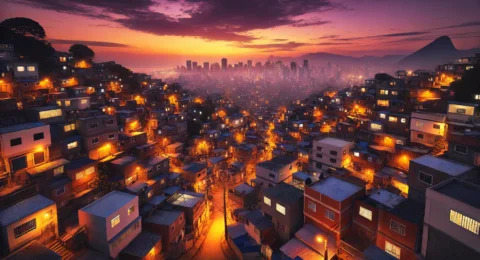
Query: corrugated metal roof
point(23, 209)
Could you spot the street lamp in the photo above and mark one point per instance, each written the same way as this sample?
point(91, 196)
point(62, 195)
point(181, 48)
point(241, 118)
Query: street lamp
point(321, 239)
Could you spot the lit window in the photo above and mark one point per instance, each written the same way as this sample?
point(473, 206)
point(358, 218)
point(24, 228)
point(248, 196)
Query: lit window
point(383, 103)
point(69, 127)
point(79, 175)
point(72, 145)
point(25, 228)
point(50, 113)
point(20, 68)
point(392, 119)
point(90, 170)
point(394, 93)
point(375, 126)
point(58, 170)
point(329, 214)
point(131, 210)
point(419, 124)
point(267, 201)
point(397, 227)
point(392, 249)
point(403, 120)
point(312, 206)
point(115, 221)
point(465, 222)
point(280, 209)
point(84, 101)
point(67, 103)
point(382, 116)
point(425, 178)
point(356, 154)
point(31, 68)
point(366, 213)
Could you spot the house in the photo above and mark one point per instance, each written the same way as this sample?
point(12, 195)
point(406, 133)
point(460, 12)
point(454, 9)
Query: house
point(46, 114)
point(196, 174)
point(427, 128)
point(241, 243)
point(243, 195)
point(310, 242)
point(194, 208)
point(126, 170)
point(462, 116)
point(464, 146)
point(257, 226)
point(452, 221)
point(71, 104)
point(99, 135)
point(170, 224)
point(427, 171)
point(301, 179)
point(84, 173)
point(129, 141)
point(278, 169)
point(145, 246)
point(282, 205)
point(34, 218)
point(34, 250)
point(112, 222)
point(330, 153)
point(329, 203)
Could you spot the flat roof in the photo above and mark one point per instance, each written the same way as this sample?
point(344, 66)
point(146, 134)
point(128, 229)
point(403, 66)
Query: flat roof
point(109, 203)
point(449, 167)
point(163, 217)
point(336, 188)
point(156, 159)
point(142, 244)
point(284, 193)
point(23, 209)
point(34, 250)
point(243, 188)
point(462, 191)
point(334, 142)
point(136, 187)
point(296, 248)
point(277, 162)
point(123, 160)
point(47, 166)
point(20, 127)
point(185, 200)
point(386, 198)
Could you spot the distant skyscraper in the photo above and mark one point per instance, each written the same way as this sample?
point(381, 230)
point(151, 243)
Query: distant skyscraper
point(194, 65)
point(206, 66)
point(293, 68)
point(305, 64)
point(189, 65)
point(224, 64)
point(249, 64)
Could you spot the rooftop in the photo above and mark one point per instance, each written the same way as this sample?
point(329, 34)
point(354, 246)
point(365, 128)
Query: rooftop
point(194, 167)
point(34, 250)
point(23, 209)
point(243, 188)
point(156, 159)
point(449, 167)
point(410, 210)
point(460, 190)
point(284, 193)
point(136, 187)
point(20, 127)
point(142, 244)
point(163, 217)
point(75, 164)
point(386, 198)
point(336, 188)
point(123, 160)
point(277, 162)
point(47, 166)
point(185, 200)
point(334, 142)
point(295, 248)
point(109, 203)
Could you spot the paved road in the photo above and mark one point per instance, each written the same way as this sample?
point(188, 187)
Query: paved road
point(211, 248)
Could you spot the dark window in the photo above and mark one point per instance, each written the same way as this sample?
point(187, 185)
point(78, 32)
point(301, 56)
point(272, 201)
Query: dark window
point(271, 175)
point(38, 136)
point(60, 190)
point(111, 136)
point(19, 163)
point(93, 125)
point(333, 152)
point(425, 178)
point(435, 126)
point(397, 227)
point(420, 136)
point(95, 140)
point(25, 228)
point(16, 141)
point(319, 156)
point(329, 214)
point(461, 149)
point(109, 122)
point(319, 148)
point(333, 160)
point(318, 165)
point(39, 157)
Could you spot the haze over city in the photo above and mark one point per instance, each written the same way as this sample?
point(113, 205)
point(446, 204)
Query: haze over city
point(151, 34)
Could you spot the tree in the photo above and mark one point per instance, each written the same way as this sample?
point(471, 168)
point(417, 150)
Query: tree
point(24, 26)
point(81, 52)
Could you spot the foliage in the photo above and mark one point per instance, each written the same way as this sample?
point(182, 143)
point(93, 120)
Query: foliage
point(468, 86)
point(81, 52)
point(24, 26)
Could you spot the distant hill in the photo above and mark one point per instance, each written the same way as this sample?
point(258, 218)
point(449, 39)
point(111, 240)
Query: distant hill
point(322, 58)
point(440, 51)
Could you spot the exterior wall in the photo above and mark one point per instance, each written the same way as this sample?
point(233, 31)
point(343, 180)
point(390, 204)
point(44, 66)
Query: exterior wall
point(83, 125)
point(125, 237)
point(77, 184)
point(169, 236)
point(369, 226)
point(96, 230)
point(28, 143)
point(405, 252)
point(454, 115)
point(285, 225)
point(282, 174)
point(342, 158)
point(442, 246)
point(75, 103)
point(409, 240)
point(41, 222)
point(427, 140)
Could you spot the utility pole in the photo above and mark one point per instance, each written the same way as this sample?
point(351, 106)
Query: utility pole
point(225, 207)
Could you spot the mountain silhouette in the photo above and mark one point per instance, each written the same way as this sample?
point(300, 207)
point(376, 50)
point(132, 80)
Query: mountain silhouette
point(441, 50)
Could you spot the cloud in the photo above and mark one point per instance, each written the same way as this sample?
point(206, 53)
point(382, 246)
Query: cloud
point(380, 36)
point(288, 46)
point(222, 20)
point(89, 43)
point(332, 36)
point(460, 25)
point(279, 40)
point(332, 43)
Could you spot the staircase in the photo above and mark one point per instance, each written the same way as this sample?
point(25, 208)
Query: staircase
point(61, 250)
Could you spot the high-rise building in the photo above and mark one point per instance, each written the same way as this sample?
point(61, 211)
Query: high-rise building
point(206, 66)
point(189, 65)
point(249, 64)
point(293, 68)
point(305, 64)
point(194, 65)
point(224, 64)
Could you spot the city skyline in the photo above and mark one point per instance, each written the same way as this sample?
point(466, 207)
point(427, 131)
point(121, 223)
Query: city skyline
point(152, 34)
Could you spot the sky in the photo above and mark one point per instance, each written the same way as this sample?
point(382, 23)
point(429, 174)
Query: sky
point(145, 34)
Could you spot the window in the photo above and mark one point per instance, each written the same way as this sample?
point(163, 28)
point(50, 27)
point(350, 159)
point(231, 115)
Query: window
point(67, 103)
point(333, 152)
point(131, 210)
point(115, 221)
point(50, 113)
point(15, 142)
point(319, 148)
point(111, 136)
point(25, 228)
point(93, 125)
point(84, 101)
point(465, 222)
point(436, 126)
point(383, 103)
point(60, 190)
point(72, 145)
point(312, 206)
point(419, 124)
point(271, 175)
point(109, 122)
point(333, 160)
point(425, 178)
point(69, 127)
point(394, 93)
point(392, 249)
point(58, 170)
point(382, 116)
point(356, 154)
point(477, 97)
point(403, 120)
point(461, 149)
point(319, 156)
point(383, 92)
point(267, 201)
point(375, 126)
point(31, 68)
point(90, 170)
point(95, 140)
point(397, 227)
point(329, 214)
point(20, 68)
point(38, 157)
point(280, 209)
point(79, 175)
point(420, 136)
point(461, 110)
point(366, 213)
point(392, 119)
point(38, 136)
